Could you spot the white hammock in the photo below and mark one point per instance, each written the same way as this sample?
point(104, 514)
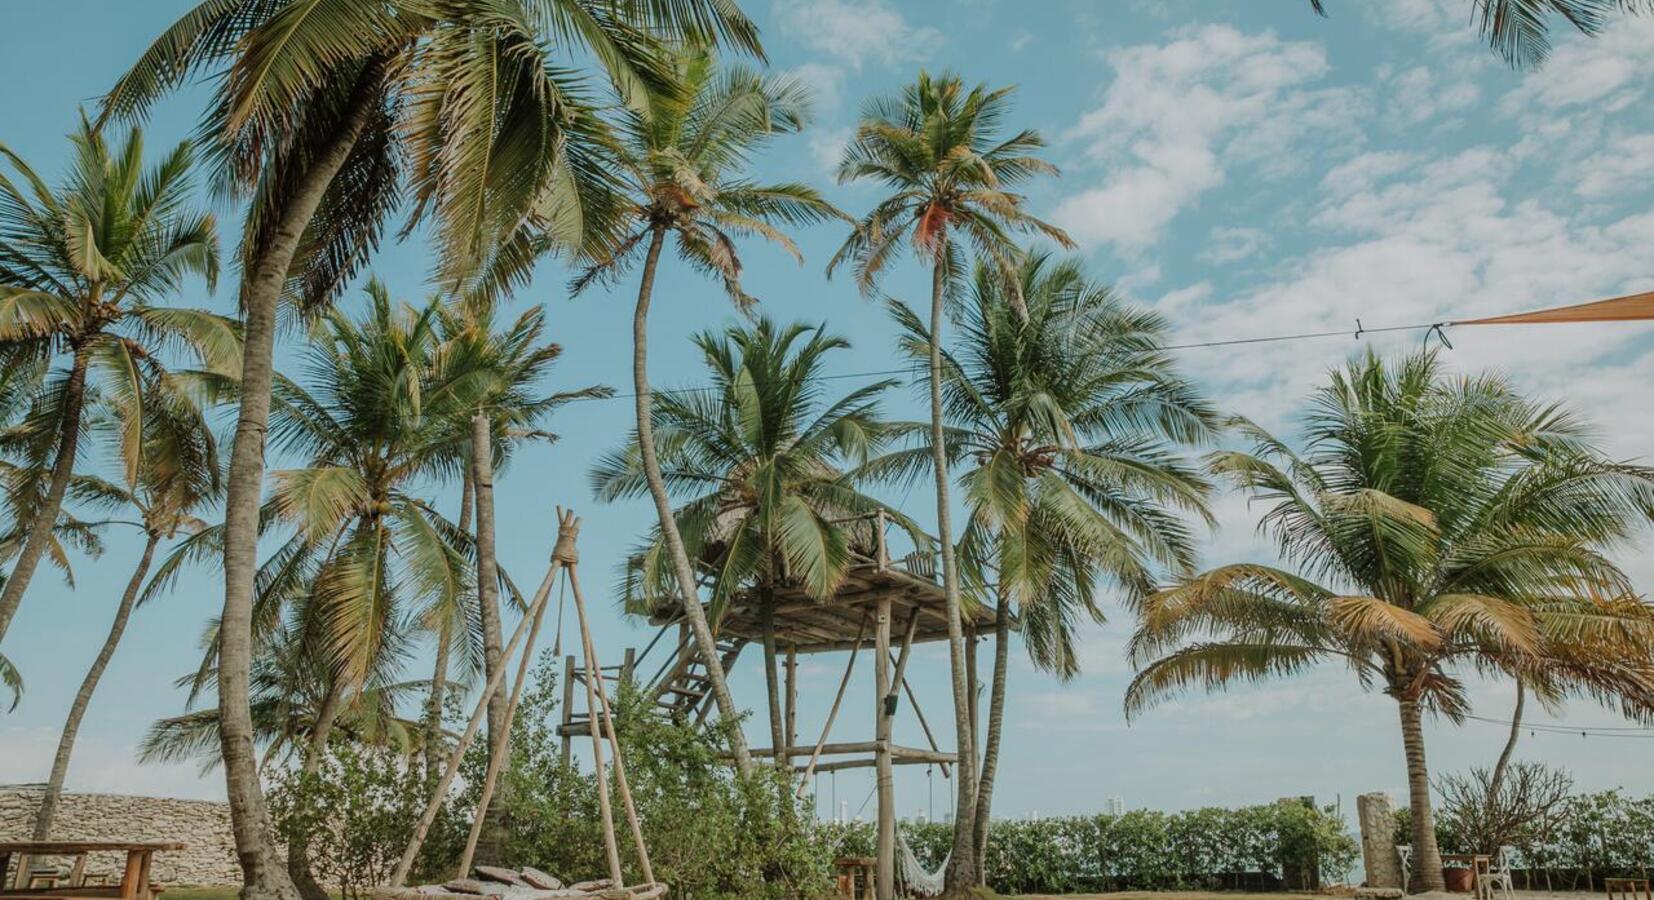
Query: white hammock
point(919, 882)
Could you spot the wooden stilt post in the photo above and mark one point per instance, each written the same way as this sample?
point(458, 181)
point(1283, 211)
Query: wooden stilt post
point(568, 705)
point(792, 700)
point(970, 677)
point(886, 868)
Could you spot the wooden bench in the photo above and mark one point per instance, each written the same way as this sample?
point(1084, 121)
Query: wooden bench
point(135, 883)
point(1628, 889)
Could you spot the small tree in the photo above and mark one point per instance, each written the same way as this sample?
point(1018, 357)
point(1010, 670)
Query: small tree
point(1519, 810)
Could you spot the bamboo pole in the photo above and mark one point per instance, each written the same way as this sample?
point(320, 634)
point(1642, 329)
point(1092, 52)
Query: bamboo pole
point(832, 713)
point(464, 743)
point(571, 557)
point(496, 754)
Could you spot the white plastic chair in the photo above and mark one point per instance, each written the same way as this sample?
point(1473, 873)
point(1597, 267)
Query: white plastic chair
point(1499, 875)
point(1404, 852)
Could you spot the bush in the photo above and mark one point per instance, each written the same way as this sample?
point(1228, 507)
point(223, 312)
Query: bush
point(712, 834)
point(357, 813)
point(1253, 847)
point(1581, 839)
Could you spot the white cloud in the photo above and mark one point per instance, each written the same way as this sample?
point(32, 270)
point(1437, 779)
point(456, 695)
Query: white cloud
point(826, 84)
point(1420, 95)
point(1609, 73)
point(1362, 172)
point(1234, 244)
point(1021, 39)
point(855, 31)
point(1627, 164)
point(1178, 115)
point(827, 147)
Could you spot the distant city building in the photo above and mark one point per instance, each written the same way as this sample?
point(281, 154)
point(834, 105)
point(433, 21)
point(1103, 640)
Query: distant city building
point(1115, 806)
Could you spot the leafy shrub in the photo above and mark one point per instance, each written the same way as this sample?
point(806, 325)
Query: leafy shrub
point(712, 834)
point(1582, 839)
point(357, 813)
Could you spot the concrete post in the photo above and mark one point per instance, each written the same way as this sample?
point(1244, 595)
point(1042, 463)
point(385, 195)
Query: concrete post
point(1378, 840)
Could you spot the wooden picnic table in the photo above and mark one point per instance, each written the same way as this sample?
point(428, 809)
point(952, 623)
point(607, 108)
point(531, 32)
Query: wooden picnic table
point(134, 879)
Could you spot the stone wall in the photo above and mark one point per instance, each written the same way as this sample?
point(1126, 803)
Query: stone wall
point(203, 825)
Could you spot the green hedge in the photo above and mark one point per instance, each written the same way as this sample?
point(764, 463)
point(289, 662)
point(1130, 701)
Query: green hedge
point(1257, 847)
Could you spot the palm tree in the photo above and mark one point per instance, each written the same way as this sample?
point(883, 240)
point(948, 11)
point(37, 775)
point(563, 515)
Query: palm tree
point(1519, 30)
point(317, 108)
point(681, 157)
point(31, 408)
point(1435, 523)
point(939, 150)
point(1070, 426)
point(487, 379)
point(371, 545)
point(291, 687)
point(170, 459)
point(82, 269)
point(757, 463)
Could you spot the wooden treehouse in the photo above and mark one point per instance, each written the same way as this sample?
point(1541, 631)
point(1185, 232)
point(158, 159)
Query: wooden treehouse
point(886, 604)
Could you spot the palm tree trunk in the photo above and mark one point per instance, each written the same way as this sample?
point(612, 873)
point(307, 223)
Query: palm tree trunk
point(435, 754)
point(491, 843)
point(1497, 780)
point(778, 722)
point(298, 852)
point(996, 728)
point(1427, 857)
point(77, 709)
point(961, 873)
point(63, 468)
point(264, 876)
point(433, 703)
point(705, 643)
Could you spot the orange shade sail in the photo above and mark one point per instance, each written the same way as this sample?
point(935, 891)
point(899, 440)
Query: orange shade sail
point(1618, 309)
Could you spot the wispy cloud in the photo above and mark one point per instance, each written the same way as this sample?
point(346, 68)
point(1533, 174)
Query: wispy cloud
point(854, 32)
point(1178, 115)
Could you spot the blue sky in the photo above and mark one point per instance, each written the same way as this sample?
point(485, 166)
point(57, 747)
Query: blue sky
point(1245, 169)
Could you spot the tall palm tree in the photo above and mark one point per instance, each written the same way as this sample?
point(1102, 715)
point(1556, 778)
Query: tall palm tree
point(487, 379)
point(1436, 523)
point(681, 160)
point(374, 549)
point(757, 462)
point(170, 459)
point(28, 424)
point(1071, 427)
point(31, 413)
point(83, 269)
point(1519, 30)
point(938, 148)
point(319, 105)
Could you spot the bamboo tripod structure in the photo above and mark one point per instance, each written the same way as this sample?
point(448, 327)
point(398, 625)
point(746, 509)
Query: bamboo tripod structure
point(565, 557)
